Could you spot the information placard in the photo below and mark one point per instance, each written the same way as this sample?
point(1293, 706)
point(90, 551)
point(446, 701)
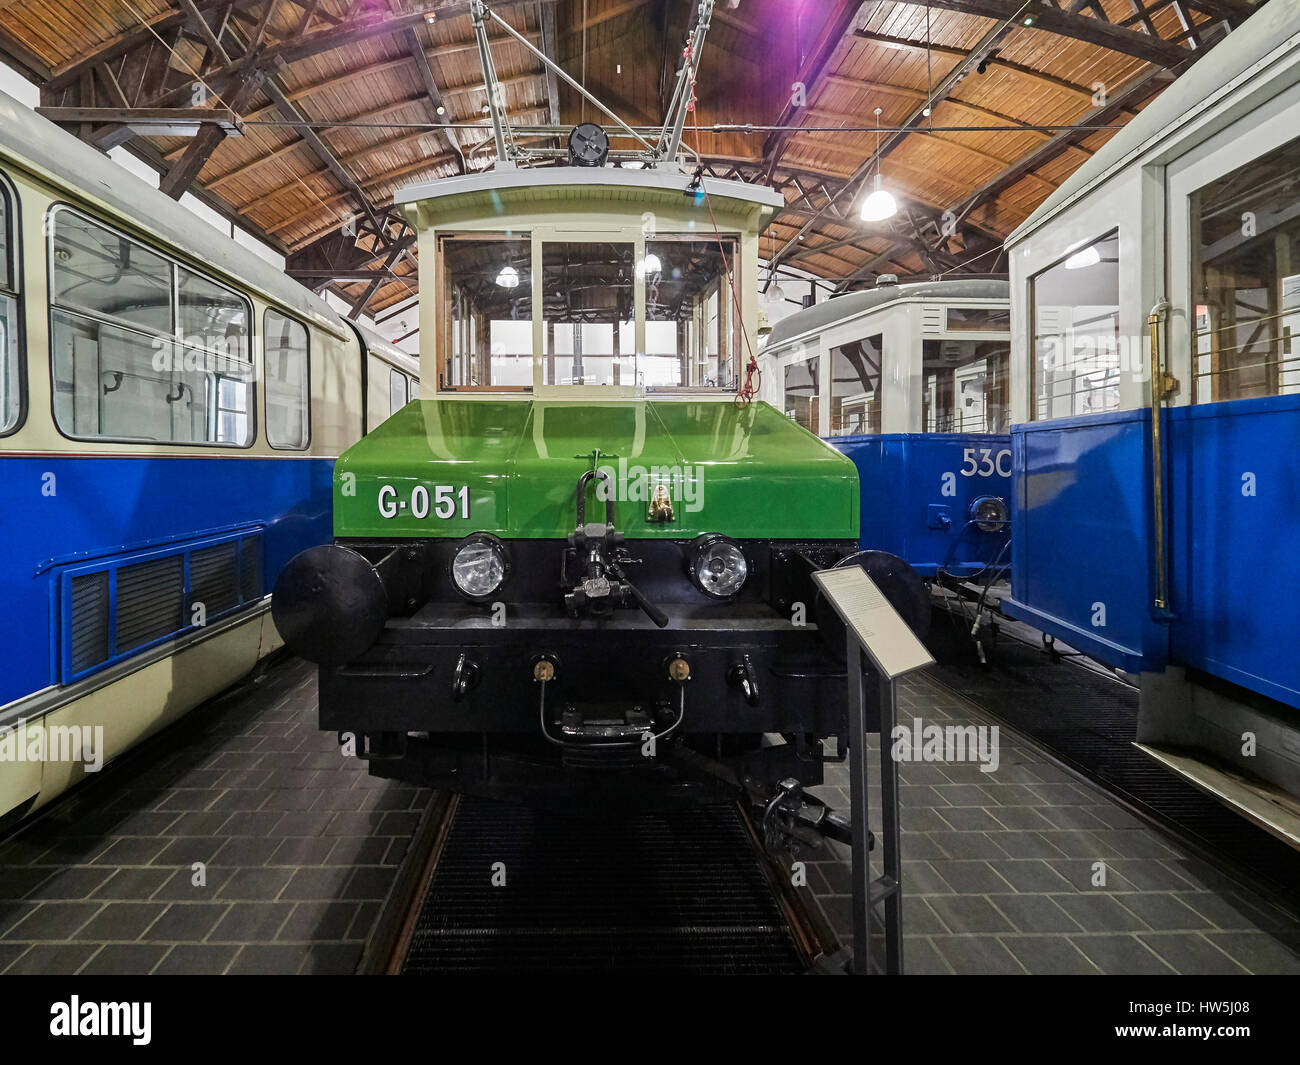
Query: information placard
point(888, 640)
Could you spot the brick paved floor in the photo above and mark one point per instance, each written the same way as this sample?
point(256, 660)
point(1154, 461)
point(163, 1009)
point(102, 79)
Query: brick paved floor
point(999, 870)
point(299, 844)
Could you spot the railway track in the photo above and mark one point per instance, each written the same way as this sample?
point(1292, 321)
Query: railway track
point(494, 888)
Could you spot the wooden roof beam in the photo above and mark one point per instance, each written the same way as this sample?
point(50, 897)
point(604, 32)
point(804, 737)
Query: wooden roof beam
point(1078, 27)
point(815, 67)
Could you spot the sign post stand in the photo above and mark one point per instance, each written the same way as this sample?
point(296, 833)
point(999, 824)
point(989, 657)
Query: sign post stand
point(880, 647)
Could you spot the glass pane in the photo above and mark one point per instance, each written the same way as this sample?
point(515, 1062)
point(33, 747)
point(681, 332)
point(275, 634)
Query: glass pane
point(119, 384)
point(588, 309)
point(6, 266)
point(1246, 280)
point(1076, 332)
point(213, 318)
point(396, 391)
point(855, 387)
point(966, 387)
point(488, 288)
point(10, 381)
point(981, 319)
point(287, 381)
point(690, 313)
point(801, 392)
point(107, 275)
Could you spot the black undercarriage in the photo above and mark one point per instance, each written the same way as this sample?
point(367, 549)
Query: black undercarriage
point(517, 699)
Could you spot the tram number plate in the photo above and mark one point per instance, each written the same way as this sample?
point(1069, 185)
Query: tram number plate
point(987, 463)
point(443, 501)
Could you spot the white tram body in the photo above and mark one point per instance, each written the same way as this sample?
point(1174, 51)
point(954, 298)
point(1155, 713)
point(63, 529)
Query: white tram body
point(1156, 391)
point(171, 406)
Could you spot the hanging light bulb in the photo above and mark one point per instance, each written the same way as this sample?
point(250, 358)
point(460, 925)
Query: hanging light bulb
point(649, 265)
point(508, 278)
point(880, 204)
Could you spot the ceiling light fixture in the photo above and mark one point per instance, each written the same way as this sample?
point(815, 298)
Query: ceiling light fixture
point(880, 203)
point(1090, 256)
point(508, 278)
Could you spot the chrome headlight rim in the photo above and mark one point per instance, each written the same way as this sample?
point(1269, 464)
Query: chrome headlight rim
point(699, 546)
point(989, 522)
point(502, 552)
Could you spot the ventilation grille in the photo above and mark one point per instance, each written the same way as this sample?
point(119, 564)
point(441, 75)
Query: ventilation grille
point(932, 319)
point(89, 636)
point(123, 605)
point(250, 568)
point(214, 578)
point(150, 602)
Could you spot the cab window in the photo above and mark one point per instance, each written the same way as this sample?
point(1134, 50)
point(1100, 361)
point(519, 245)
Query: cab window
point(11, 398)
point(397, 394)
point(288, 393)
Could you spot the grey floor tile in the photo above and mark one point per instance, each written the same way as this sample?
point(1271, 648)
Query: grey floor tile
point(921, 959)
point(976, 955)
point(1258, 952)
point(1049, 955)
point(186, 959)
point(1164, 912)
point(269, 958)
point(52, 959)
point(1190, 953)
point(125, 959)
point(1097, 912)
point(1030, 875)
point(251, 922)
point(922, 878)
point(331, 959)
point(52, 921)
point(1034, 913)
point(1120, 954)
point(186, 922)
point(968, 913)
point(120, 921)
point(967, 844)
point(970, 877)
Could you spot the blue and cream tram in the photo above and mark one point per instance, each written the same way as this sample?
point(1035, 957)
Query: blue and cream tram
point(910, 382)
point(170, 409)
point(1156, 401)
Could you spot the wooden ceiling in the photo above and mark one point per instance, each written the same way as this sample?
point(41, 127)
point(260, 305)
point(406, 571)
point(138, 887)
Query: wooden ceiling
point(302, 117)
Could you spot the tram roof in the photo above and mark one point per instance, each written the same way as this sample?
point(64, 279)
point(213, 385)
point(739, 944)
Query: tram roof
point(830, 312)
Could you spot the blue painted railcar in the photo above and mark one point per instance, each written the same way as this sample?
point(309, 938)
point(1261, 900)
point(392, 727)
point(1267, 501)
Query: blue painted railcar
point(1156, 401)
point(912, 383)
point(170, 409)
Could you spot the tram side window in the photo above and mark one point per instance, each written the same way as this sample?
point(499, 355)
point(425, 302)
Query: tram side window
point(288, 394)
point(396, 391)
point(127, 364)
point(1076, 332)
point(855, 387)
point(966, 386)
point(10, 377)
point(800, 403)
point(1246, 280)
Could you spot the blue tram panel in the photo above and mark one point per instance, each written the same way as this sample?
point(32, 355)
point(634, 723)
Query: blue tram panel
point(1234, 494)
point(1080, 519)
point(917, 492)
point(102, 515)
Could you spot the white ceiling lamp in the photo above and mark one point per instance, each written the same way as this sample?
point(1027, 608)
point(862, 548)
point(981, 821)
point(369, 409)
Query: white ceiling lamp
point(1089, 256)
point(649, 265)
point(880, 203)
point(508, 278)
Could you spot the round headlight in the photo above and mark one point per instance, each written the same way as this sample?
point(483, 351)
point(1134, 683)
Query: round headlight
point(480, 566)
point(718, 567)
point(989, 513)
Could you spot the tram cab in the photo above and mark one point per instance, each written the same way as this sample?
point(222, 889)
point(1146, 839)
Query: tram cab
point(584, 549)
point(911, 383)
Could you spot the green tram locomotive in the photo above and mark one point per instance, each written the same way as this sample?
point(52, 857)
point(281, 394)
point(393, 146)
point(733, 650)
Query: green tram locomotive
point(582, 567)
